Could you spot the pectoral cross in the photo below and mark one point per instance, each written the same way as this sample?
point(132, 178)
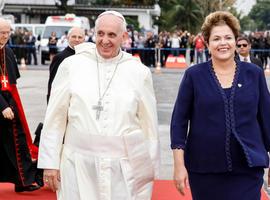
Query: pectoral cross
point(4, 81)
point(98, 109)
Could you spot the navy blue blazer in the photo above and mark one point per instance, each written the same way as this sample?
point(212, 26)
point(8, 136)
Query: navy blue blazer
point(204, 118)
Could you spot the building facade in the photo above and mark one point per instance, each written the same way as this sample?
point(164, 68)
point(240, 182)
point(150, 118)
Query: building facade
point(36, 11)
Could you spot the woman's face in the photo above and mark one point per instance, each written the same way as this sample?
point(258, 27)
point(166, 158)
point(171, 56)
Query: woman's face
point(222, 44)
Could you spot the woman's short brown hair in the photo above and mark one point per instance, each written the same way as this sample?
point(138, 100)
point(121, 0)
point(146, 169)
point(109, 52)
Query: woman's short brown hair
point(220, 18)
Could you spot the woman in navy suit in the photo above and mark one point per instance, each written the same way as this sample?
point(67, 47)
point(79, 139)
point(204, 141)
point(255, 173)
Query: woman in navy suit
point(220, 130)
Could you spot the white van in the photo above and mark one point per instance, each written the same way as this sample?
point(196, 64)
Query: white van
point(60, 24)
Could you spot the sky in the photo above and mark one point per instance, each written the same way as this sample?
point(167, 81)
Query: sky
point(244, 5)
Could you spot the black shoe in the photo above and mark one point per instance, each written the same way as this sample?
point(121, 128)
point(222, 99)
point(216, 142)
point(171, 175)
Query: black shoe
point(28, 188)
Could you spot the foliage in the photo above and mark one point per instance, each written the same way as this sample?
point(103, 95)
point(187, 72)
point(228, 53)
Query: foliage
point(261, 15)
point(180, 14)
point(63, 6)
point(247, 24)
point(133, 23)
point(208, 6)
point(188, 14)
point(123, 2)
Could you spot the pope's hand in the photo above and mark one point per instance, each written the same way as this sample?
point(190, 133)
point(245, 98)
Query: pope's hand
point(181, 179)
point(52, 178)
point(8, 113)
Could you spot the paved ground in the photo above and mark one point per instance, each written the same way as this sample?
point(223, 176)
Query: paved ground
point(33, 85)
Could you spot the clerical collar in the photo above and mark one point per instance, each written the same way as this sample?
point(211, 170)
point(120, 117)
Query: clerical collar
point(71, 47)
point(109, 60)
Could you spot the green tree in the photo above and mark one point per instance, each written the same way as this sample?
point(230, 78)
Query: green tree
point(208, 6)
point(247, 24)
point(180, 14)
point(189, 14)
point(261, 15)
point(124, 2)
point(64, 6)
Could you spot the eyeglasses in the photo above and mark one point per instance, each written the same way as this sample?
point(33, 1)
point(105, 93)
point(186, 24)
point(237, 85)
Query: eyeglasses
point(242, 45)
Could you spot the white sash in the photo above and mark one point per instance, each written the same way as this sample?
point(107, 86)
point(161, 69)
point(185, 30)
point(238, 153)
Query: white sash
point(132, 146)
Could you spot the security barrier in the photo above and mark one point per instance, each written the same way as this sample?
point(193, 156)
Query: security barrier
point(151, 57)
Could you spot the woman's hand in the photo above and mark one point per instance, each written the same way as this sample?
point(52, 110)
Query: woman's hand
point(52, 178)
point(268, 177)
point(180, 175)
point(8, 113)
point(180, 178)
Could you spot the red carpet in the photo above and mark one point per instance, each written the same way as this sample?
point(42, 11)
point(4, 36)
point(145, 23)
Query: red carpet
point(163, 190)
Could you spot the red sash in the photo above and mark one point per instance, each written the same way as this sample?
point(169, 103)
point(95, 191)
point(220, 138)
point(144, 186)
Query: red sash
point(32, 148)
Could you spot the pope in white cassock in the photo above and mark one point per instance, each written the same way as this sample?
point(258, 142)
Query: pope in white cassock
point(100, 139)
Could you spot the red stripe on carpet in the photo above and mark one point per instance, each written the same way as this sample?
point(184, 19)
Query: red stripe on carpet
point(163, 190)
point(7, 193)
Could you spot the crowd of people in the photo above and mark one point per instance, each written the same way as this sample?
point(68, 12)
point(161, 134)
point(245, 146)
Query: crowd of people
point(178, 42)
point(144, 43)
point(100, 134)
point(23, 43)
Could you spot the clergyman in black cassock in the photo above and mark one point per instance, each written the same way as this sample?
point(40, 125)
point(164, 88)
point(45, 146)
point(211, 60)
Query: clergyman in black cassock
point(75, 36)
point(17, 152)
point(57, 59)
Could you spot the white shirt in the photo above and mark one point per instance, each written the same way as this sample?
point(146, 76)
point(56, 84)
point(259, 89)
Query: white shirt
point(242, 58)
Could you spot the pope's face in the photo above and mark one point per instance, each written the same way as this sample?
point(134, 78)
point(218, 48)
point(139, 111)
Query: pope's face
point(109, 36)
point(4, 34)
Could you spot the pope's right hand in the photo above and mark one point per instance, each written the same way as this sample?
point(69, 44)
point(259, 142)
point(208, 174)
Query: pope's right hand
point(52, 178)
point(181, 179)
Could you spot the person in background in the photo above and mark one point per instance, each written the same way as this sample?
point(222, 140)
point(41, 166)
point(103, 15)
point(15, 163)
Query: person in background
point(100, 130)
point(199, 47)
point(17, 152)
point(149, 53)
point(52, 45)
point(75, 36)
point(31, 48)
point(243, 50)
point(220, 130)
point(62, 43)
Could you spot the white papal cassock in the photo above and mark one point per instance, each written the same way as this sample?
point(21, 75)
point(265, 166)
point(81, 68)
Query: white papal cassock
point(115, 157)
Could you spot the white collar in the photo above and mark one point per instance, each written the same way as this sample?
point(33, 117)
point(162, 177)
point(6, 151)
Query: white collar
point(112, 60)
point(242, 58)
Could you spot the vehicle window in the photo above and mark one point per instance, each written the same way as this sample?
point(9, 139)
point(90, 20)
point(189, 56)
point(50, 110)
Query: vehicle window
point(60, 30)
point(39, 30)
point(24, 28)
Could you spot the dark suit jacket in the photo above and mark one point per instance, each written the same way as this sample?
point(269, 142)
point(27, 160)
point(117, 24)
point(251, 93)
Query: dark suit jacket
point(253, 60)
point(256, 61)
point(57, 60)
point(214, 117)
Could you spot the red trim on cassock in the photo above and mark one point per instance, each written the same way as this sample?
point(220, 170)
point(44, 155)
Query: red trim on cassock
point(32, 148)
point(18, 157)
